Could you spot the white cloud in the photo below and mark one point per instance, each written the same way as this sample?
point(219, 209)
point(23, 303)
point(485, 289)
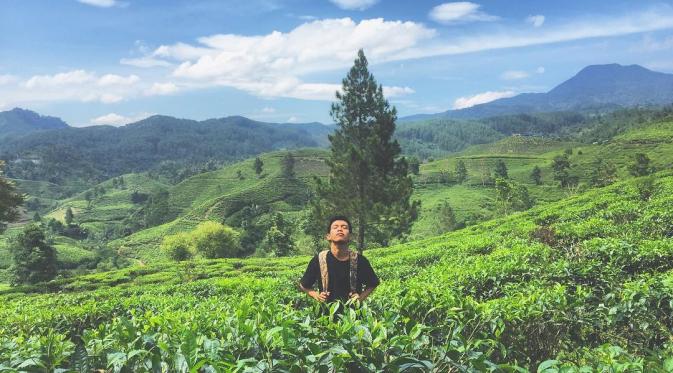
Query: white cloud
point(536, 20)
point(145, 62)
point(161, 89)
point(115, 119)
point(481, 98)
point(292, 119)
point(268, 110)
point(100, 3)
point(459, 12)
point(270, 65)
point(112, 79)
point(514, 75)
point(8, 79)
point(540, 70)
point(61, 79)
point(75, 85)
point(397, 91)
point(354, 4)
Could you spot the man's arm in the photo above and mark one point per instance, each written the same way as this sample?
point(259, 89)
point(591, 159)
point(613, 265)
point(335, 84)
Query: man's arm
point(320, 297)
point(365, 293)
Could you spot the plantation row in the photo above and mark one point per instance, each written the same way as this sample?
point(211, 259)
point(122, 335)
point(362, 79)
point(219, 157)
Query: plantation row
point(582, 284)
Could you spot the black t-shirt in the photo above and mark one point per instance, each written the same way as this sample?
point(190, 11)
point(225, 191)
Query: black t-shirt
point(339, 276)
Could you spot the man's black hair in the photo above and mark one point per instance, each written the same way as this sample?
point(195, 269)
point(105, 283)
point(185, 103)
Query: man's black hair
point(339, 217)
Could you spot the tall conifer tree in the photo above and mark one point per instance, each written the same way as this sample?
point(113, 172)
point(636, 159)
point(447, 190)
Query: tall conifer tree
point(368, 180)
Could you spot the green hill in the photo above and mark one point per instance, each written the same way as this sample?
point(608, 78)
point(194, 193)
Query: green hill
point(221, 195)
point(473, 201)
point(586, 282)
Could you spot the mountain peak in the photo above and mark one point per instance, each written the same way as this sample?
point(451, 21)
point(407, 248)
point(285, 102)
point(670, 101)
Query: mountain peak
point(21, 121)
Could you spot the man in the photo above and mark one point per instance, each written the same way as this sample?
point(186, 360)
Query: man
point(345, 272)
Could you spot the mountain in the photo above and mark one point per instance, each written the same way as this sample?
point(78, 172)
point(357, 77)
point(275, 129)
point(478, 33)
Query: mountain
point(20, 121)
point(93, 154)
point(594, 87)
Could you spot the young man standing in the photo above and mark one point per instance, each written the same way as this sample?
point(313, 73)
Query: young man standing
point(343, 273)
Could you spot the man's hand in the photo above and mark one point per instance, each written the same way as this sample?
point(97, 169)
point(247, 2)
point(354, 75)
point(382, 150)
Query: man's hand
point(320, 297)
point(355, 296)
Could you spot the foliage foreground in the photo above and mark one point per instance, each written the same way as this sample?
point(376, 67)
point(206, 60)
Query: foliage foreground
point(585, 284)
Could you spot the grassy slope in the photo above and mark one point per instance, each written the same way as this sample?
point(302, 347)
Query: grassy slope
point(218, 195)
point(521, 154)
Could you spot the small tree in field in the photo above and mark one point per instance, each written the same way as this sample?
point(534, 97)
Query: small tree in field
point(278, 238)
point(641, 165)
point(536, 175)
point(287, 166)
point(69, 216)
point(258, 166)
point(446, 218)
point(33, 260)
point(461, 172)
point(501, 169)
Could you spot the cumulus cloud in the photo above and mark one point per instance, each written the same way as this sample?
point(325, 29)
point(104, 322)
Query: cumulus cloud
point(481, 98)
point(75, 85)
point(459, 12)
point(271, 65)
point(100, 3)
point(354, 4)
point(115, 119)
point(161, 89)
point(514, 75)
point(536, 20)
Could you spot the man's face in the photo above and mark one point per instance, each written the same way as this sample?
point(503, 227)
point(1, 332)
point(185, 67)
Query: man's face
point(339, 231)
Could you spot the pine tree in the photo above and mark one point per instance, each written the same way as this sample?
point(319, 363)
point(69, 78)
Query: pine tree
point(561, 167)
point(69, 216)
point(536, 175)
point(368, 179)
point(641, 165)
point(414, 165)
point(33, 260)
point(446, 218)
point(461, 171)
point(501, 169)
point(603, 173)
point(278, 238)
point(287, 166)
point(258, 166)
point(10, 200)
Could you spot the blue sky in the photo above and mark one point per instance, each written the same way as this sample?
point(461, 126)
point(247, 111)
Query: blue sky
point(117, 61)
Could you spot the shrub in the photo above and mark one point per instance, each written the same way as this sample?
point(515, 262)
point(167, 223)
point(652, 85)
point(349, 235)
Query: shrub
point(215, 240)
point(178, 247)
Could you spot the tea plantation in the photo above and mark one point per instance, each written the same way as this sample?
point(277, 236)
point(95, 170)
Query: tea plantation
point(583, 284)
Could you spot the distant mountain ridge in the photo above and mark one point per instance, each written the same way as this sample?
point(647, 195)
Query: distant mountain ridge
point(594, 87)
point(99, 152)
point(20, 121)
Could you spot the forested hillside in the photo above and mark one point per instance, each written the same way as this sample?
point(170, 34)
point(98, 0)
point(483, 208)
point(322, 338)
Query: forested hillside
point(72, 156)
